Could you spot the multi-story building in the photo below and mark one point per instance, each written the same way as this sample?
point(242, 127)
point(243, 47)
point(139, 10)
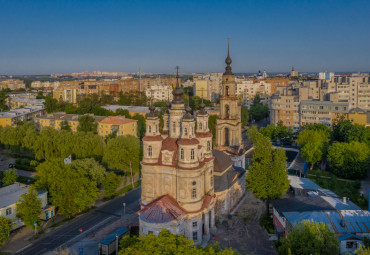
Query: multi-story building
point(49, 85)
point(117, 124)
point(186, 185)
point(355, 89)
point(12, 84)
point(359, 116)
point(147, 83)
point(248, 89)
point(208, 86)
point(15, 101)
point(105, 125)
point(323, 112)
point(10, 195)
point(11, 118)
point(68, 91)
point(326, 76)
point(159, 93)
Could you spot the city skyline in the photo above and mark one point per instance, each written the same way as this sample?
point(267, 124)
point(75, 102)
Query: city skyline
point(69, 37)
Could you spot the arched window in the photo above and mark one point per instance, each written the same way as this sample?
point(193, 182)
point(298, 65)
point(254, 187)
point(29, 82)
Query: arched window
point(227, 111)
point(182, 154)
point(200, 125)
point(150, 151)
point(194, 193)
point(192, 154)
point(208, 146)
point(227, 91)
point(150, 129)
point(185, 131)
point(174, 127)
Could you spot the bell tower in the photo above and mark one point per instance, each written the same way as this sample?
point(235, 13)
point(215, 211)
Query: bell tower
point(228, 127)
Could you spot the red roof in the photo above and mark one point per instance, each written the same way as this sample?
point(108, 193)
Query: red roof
point(203, 135)
point(164, 209)
point(153, 138)
point(186, 141)
point(117, 120)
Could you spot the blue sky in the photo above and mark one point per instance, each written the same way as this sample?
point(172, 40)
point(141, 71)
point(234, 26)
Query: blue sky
point(42, 37)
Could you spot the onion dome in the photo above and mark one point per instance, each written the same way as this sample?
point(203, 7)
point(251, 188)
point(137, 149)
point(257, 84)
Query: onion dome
point(152, 111)
point(202, 109)
point(188, 115)
point(177, 92)
point(228, 61)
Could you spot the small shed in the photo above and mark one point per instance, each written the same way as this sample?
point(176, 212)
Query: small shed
point(108, 245)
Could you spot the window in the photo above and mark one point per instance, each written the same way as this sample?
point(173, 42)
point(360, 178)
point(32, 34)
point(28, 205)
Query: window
point(195, 224)
point(195, 236)
point(8, 211)
point(150, 232)
point(192, 156)
point(185, 131)
point(150, 151)
point(182, 154)
point(200, 125)
point(149, 129)
point(174, 127)
point(208, 146)
point(194, 193)
point(211, 180)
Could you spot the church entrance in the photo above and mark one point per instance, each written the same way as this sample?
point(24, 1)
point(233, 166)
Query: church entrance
point(226, 137)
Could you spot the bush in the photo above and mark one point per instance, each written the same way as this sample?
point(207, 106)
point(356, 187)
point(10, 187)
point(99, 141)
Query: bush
point(34, 163)
point(267, 222)
point(10, 177)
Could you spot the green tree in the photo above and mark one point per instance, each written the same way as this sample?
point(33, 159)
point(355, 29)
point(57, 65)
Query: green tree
point(123, 153)
point(86, 124)
point(245, 116)
point(279, 132)
point(308, 238)
point(95, 171)
point(123, 112)
point(349, 160)
point(258, 110)
point(167, 243)
point(110, 183)
point(313, 144)
point(267, 177)
point(51, 104)
point(5, 228)
point(29, 208)
point(345, 131)
point(3, 97)
point(70, 189)
point(46, 145)
point(9, 177)
point(363, 250)
point(65, 126)
point(87, 145)
point(140, 125)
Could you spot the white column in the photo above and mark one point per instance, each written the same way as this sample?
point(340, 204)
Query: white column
point(206, 224)
point(213, 218)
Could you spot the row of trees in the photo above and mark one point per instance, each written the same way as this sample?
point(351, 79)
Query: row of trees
point(346, 147)
point(278, 132)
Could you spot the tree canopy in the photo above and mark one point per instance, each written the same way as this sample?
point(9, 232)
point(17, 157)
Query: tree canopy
point(110, 183)
point(278, 132)
point(95, 171)
point(86, 124)
point(244, 116)
point(309, 238)
point(267, 177)
point(5, 228)
point(349, 160)
point(70, 189)
point(29, 208)
point(258, 110)
point(345, 131)
point(9, 177)
point(123, 153)
point(167, 243)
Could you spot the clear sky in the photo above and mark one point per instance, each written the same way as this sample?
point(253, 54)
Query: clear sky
point(42, 37)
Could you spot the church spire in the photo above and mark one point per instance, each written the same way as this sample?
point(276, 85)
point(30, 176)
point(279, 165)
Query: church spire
point(228, 59)
point(177, 92)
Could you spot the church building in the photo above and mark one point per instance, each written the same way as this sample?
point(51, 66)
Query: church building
point(186, 184)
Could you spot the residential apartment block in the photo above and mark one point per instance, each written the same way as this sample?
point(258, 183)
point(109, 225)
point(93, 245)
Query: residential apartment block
point(49, 85)
point(321, 101)
point(105, 125)
point(12, 84)
point(15, 101)
point(208, 86)
point(159, 93)
point(11, 118)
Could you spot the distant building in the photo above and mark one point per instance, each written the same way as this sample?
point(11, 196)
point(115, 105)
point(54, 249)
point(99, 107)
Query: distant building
point(12, 84)
point(141, 110)
point(105, 125)
point(359, 116)
point(294, 73)
point(210, 84)
point(326, 76)
point(16, 101)
point(10, 195)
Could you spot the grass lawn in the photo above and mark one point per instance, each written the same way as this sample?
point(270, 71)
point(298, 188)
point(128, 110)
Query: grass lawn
point(349, 189)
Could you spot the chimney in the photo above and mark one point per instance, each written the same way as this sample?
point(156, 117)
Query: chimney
point(344, 200)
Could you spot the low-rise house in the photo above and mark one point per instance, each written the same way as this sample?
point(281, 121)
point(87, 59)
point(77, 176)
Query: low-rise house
point(10, 195)
point(307, 201)
point(118, 124)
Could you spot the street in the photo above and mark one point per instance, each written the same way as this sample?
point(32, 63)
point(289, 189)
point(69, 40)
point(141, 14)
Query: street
point(85, 222)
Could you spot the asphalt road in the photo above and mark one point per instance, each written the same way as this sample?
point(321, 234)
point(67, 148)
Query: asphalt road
point(85, 222)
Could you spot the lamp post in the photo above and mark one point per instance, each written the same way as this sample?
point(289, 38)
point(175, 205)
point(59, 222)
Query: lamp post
point(124, 209)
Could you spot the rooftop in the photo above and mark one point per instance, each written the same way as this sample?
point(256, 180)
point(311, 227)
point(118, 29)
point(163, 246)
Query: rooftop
point(138, 109)
point(10, 195)
point(21, 111)
point(118, 120)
